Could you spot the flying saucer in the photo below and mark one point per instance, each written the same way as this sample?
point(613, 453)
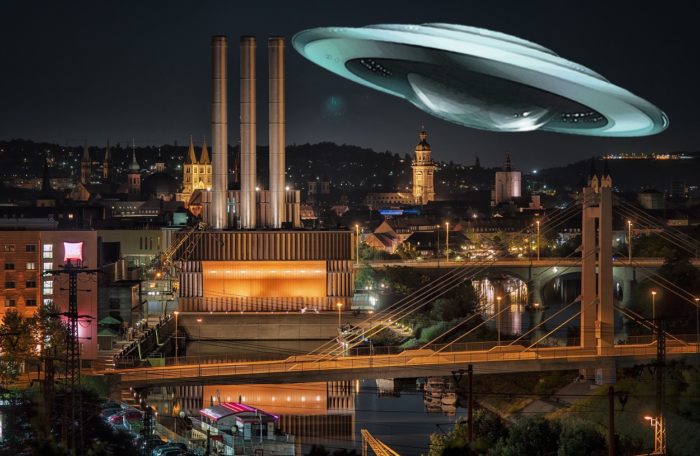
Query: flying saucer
point(481, 79)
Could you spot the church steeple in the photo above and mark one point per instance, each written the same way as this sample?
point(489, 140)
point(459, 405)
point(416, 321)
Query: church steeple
point(85, 166)
point(191, 157)
point(423, 171)
point(134, 176)
point(204, 158)
point(509, 163)
point(107, 163)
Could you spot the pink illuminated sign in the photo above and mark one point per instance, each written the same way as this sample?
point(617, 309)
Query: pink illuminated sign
point(72, 251)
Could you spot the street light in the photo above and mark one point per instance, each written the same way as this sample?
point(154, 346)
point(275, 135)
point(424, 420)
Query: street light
point(357, 235)
point(659, 433)
point(447, 242)
point(340, 307)
point(538, 239)
point(697, 321)
point(176, 345)
point(498, 319)
point(653, 305)
point(629, 241)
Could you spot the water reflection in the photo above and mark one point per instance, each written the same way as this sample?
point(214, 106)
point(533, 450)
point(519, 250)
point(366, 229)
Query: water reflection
point(328, 413)
point(514, 298)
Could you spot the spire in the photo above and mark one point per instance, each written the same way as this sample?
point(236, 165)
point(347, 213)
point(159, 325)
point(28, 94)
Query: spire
point(108, 154)
point(422, 140)
point(134, 165)
point(86, 153)
point(204, 158)
point(191, 157)
point(509, 163)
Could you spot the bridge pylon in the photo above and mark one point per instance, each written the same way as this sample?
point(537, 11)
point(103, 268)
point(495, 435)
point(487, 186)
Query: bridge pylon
point(597, 305)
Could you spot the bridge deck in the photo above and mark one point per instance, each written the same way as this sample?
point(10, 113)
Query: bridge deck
point(409, 363)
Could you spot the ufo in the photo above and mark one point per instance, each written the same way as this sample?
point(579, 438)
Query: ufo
point(481, 79)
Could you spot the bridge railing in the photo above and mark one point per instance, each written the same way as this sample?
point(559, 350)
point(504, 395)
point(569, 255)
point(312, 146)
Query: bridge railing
point(368, 351)
point(420, 359)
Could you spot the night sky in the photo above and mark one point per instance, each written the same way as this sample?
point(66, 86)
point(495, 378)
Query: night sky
point(123, 69)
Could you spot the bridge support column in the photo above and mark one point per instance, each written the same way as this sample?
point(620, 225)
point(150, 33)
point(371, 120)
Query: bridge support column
point(597, 311)
point(588, 268)
point(606, 374)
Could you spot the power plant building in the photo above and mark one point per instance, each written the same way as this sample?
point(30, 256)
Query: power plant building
point(254, 257)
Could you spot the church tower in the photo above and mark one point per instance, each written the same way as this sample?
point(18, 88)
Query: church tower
point(189, 170)
point(134, 177)
point(106, 164)
point(423, 171)
point(204, 168)
point(85, 166)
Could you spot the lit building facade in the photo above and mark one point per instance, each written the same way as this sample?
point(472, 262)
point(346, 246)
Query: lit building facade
point(423, 171)
point(507, 184)
point(196, 174)
point(268, 271)
point(25, 256)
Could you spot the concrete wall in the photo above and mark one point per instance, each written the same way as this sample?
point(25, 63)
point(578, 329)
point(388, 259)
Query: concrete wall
point(265, 326)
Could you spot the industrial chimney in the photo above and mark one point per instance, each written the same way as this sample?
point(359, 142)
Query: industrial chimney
point(248, 134)
point(276, 121)
point(219, 127)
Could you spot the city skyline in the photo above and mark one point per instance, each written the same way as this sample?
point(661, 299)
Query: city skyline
point(69, 90)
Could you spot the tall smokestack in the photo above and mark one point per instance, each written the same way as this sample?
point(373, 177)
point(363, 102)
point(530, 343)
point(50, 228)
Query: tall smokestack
point(248, 133)
point(276, 120)
point(219, 132)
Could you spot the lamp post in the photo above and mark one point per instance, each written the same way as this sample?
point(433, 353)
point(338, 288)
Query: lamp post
point(653, 305)
point(498, 319)
point(697, 322)
point(176, 345)
point(538, 239)
point(357, 235)
point(447, 242)
point(199, 333)
point(629, 241)
point(659, 433)
point(340, 307)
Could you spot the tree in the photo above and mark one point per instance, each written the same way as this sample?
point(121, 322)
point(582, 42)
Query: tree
point(365, 277)
point(529, 437)
point(407, 251)
point(15, 345)
point(578, 438)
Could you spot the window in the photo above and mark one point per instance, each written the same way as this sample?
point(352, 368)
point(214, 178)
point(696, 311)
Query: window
point(9, 266)
point(30, 284)
point(48, 265)
point(10, 303)
point(48, 287)
point(48, 302)
point(30, 303)
point(31, 266)
point(30, 248)
point(9, 284)
point(9, 247)
point(47, 252)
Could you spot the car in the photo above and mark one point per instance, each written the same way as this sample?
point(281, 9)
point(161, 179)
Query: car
point(170, 447)
point(106, 413)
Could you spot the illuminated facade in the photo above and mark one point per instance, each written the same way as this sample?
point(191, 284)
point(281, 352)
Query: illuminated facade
point(481, 79)
point(196, 174)
point(24, 258)
point(268, 270)
point(507, 185)
point(423, 171)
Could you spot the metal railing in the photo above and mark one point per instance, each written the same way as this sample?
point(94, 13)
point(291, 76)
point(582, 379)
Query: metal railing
point(421, 358)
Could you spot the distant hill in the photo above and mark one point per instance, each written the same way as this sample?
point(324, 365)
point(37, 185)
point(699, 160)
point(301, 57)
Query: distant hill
point(628, 175)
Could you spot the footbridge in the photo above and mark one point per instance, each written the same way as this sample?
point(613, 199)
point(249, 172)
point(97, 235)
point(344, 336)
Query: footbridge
point(409, 363)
